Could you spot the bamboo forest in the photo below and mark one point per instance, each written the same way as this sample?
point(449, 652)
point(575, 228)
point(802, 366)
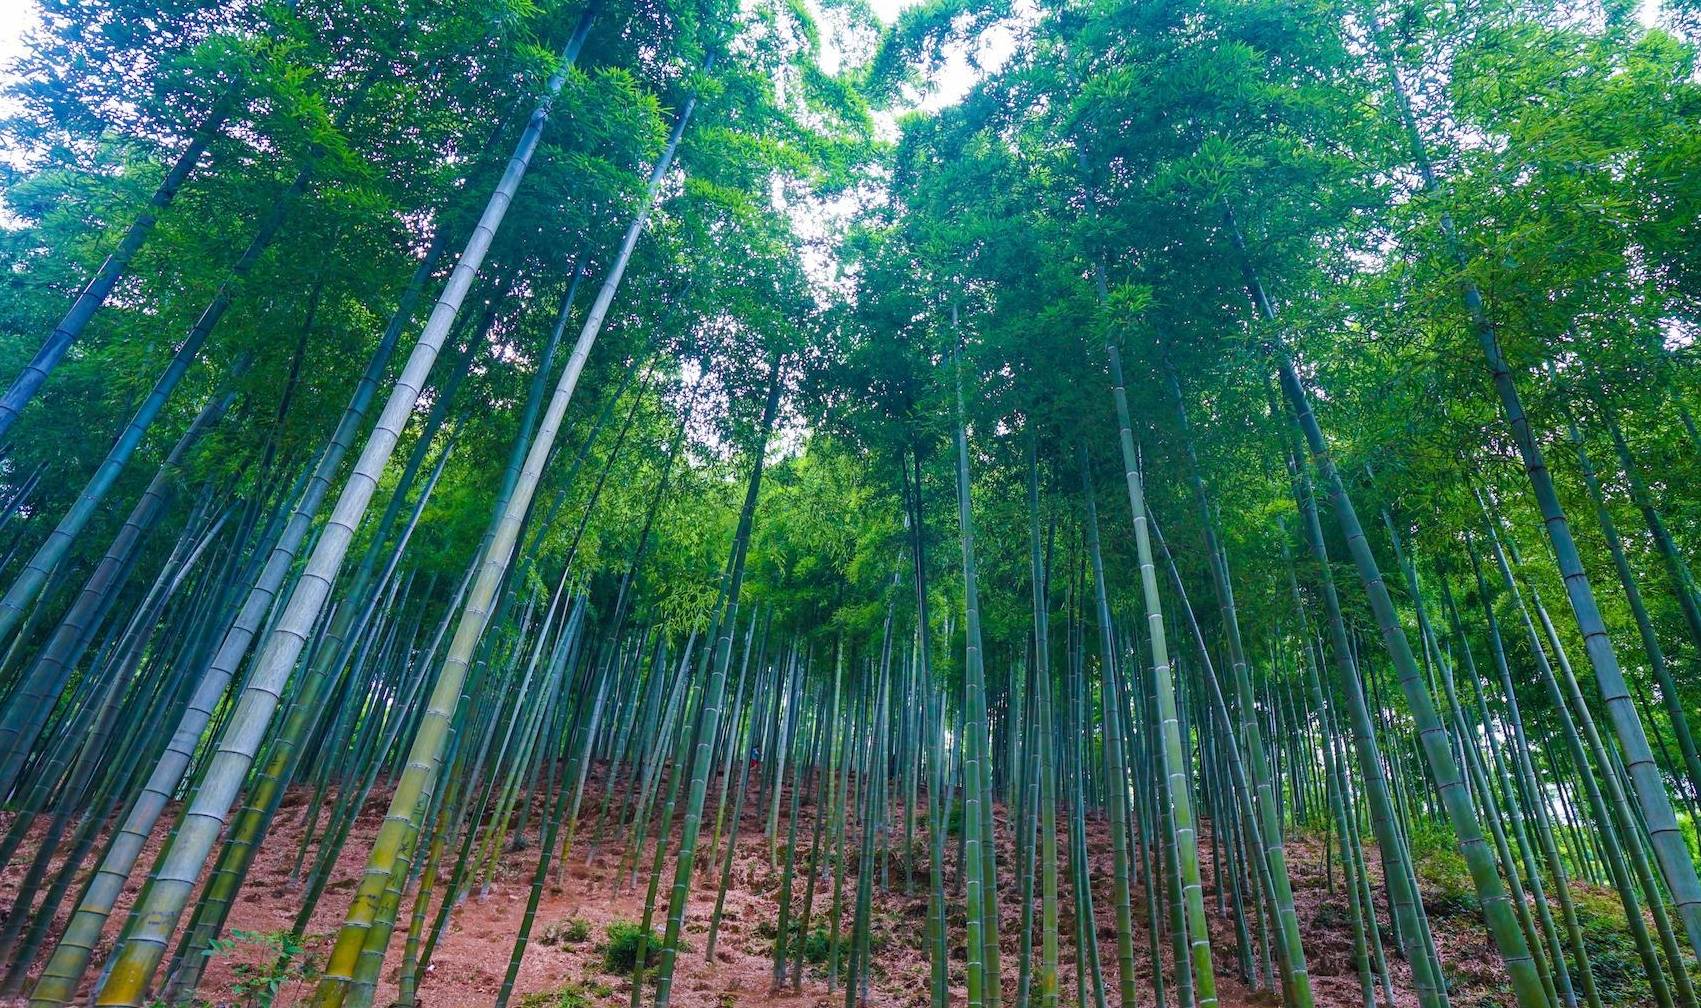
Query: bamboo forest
point(1004, 503)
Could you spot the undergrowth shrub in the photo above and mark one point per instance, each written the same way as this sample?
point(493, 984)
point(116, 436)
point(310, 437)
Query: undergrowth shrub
point(620, 952)
point(570, 995)
point(1446, 882)
point(284, 960)
point(817, 946)
point(567, 932)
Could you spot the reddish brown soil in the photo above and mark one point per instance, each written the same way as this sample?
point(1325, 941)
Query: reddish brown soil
point(468, 966)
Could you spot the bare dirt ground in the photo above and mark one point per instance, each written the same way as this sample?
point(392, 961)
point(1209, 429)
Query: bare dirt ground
point(467, 967)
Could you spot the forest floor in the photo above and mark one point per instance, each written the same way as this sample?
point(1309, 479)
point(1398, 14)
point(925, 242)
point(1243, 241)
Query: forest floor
point(597, 889)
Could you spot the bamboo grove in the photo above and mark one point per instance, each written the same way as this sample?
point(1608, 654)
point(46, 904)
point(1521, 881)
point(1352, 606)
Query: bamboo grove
point(1164, 502)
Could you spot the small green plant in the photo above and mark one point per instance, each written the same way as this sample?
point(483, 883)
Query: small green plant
point(953, 822)
point(1331, 915)
point(1428, 837)
point(568, 932)
point(1446, 880)
point(284, 959)
point(1450, 891)
point(817, 946)
point(620, 953)
point(570, 995)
